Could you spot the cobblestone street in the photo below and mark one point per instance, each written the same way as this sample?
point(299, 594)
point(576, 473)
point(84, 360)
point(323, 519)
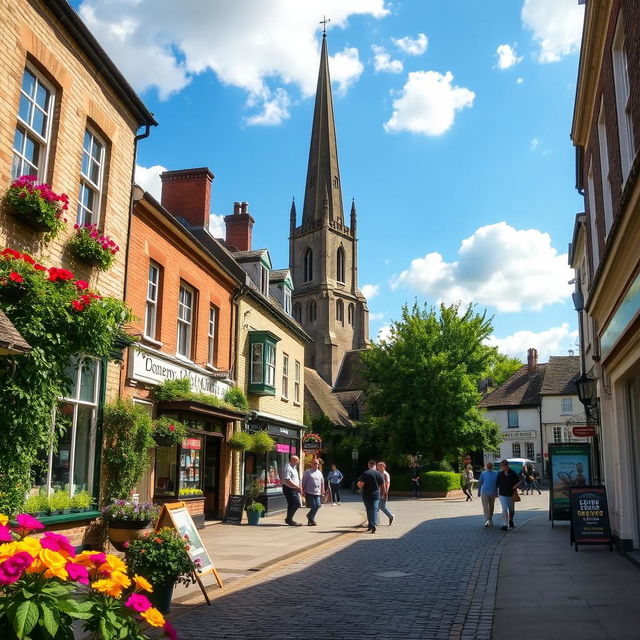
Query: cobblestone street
point(432, 574)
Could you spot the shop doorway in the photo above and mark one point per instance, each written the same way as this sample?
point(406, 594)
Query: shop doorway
point(211, 477)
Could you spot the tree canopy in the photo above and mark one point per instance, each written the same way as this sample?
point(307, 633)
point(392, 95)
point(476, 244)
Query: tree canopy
point(501, 367)
point(422, 383)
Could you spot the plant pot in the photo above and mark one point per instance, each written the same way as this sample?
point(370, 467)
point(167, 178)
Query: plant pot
point(91, 261)
point(65, 511)
point(254, 517)
point(53, 512)
point(161, 596)
point(122, 531)
point(30, 220)
point(76, 510)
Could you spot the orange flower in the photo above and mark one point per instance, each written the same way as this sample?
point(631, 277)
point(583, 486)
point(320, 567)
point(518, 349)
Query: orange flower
point(158, 540)
point(56, 572)
point(108, 586)
point(120, 578)
point(142, 583)
point(112, 563)
point(153, 617)
point(3, 519)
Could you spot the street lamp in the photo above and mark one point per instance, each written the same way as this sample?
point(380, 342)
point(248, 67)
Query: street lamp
point(587, 389)
point(354, 468)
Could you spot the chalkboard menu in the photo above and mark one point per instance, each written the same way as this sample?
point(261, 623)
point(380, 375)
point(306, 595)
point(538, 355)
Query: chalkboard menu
point(589, 516)
point(235, 508)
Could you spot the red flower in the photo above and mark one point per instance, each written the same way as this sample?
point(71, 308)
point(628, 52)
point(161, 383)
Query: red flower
point(77, 305)
point(82, 285)
point(16, 277)
point(11, 254)
point(27, 258)
point(39, 267)
point(172, 427)
point(56, 274)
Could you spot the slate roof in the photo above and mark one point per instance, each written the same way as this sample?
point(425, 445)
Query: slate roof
point(520, 390)
point(245, 256)
point(277, 275)
point(11, 342)
point(323, 400)
point(350, 376)
point(560, 376)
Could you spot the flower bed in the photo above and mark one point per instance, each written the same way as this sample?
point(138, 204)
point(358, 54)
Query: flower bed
point(92, 247)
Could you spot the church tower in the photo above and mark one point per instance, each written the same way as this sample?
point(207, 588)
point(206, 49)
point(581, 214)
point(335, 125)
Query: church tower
point(323, 250)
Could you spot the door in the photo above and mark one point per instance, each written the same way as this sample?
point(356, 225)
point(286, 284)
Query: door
point(211, 477)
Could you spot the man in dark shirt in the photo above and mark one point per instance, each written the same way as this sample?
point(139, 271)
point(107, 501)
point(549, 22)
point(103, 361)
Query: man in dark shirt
point(372, 484)
point(508, 482)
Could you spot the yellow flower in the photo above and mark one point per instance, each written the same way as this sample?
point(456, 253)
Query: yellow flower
point(30, 545)
point(52, 559)
point(153, 617)
point(57, 572)
point(108, 586)
point(112, 563)
point(3, 519)
point(142, 583)
point(120, 578)
point(7, 550)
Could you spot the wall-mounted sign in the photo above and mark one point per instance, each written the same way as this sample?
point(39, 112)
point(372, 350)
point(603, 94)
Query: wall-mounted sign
point(584, 431)
point(154, 368)
point(311, 443)
point(516, 434)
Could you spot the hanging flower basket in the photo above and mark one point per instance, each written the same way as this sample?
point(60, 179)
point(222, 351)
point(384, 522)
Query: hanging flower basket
point(240, 441)
point(262, 442)
point(168, 432)
point(36, 205)
point(92, 247)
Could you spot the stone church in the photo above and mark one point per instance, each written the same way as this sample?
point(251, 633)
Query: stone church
point(323, 260)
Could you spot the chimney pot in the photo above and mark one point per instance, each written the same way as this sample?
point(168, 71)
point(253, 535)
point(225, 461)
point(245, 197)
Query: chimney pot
point(236, 207)
point(239, 226)
point(244, 207)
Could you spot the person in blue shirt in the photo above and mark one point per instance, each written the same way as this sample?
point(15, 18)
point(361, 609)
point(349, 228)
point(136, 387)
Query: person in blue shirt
point(488, 491)
point(335, 478)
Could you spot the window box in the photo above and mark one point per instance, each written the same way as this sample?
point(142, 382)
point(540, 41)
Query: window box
point(262, 371)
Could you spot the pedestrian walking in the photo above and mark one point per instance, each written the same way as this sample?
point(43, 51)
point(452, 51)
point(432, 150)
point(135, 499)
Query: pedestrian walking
point(532, 482)
point(467, 482)
point(372, 484)
point(488, 491)
point(292, 489)
point(382, 468)
point(414, 476)
point(334, 478)
point(524, 486)
point(313, 487)
point(508, 483)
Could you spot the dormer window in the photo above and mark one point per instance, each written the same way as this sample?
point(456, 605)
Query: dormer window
point(287, 300)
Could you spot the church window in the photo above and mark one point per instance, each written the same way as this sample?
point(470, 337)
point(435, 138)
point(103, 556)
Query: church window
point(340, 311)
point(351, 314)
point(340, 266)
point(335, 181)
point(297, 312)
point(308, 265)
point(312, 311)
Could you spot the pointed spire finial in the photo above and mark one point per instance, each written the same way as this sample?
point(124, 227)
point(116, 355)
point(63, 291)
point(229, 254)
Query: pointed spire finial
point(353, 206)
point(324, 22)
point(293, 207)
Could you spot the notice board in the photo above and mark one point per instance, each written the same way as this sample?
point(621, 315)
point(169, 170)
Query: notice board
point(590, 516)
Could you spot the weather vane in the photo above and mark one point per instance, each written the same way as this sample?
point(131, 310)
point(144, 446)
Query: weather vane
point(324, 22)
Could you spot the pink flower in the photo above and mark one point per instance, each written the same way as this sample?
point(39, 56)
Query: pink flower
point(57, 542)
point(98, 558)
point(138, 602)
point(5, 533)
point(11, 569)
point(169, 631)
point(25, 521)
point(77, 572)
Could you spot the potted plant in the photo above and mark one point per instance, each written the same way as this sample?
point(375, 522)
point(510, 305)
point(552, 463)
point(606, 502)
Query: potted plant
point(255, 511)
point(262, 442)
point(127, 521)
point(168, 432)
point(36, 205)
point(92, 247)
point(187, 492)
point(162, 558)
point(240, 441)
point(36, 505)
point(81, 501)
point(59, 503)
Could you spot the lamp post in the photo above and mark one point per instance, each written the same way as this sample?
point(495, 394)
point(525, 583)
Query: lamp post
point(354, 468)
point(587, 388)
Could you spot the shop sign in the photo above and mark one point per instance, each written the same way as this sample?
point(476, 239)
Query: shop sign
point(283, 448)
point(152, 368)
point(516, 434)
point(191, 443)
point(584, 431)
point(274, 430)
point(311, 443)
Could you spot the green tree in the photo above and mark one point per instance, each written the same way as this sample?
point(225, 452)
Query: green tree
point(422, 383)
point(500, 367)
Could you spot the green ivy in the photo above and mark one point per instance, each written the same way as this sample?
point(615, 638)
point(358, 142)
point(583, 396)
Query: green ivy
point(172, 390)
point(60, 317)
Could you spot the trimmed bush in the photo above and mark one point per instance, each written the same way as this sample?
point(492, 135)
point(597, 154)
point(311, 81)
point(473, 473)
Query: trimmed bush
point(439, 481)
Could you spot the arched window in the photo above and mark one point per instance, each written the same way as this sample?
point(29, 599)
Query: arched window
point(312, 311)
point(297, 312)
point(351, 314)
point(308, 265)
point(340, 311)
point(340, 265)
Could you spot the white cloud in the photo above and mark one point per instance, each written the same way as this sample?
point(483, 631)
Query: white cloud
point(265, 48)
point(556, 26)
point(534, 144)
point(555, 341)
point(519, 80)
point(382, 61)
point(507, 56)
point(428, 104)
point(216, 226)
point(384, 332)
point(149, 179)
point(370, 290)
point(500, 266)
point(376, 316)
point(412, 46)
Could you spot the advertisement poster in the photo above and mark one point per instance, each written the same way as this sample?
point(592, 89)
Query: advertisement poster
point(569, 467)
point(590, 516)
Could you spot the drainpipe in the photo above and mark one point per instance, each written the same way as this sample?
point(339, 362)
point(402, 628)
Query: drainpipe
point(541, 436)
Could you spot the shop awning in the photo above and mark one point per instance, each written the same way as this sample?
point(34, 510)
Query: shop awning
point(201, 408)
point(11, 342)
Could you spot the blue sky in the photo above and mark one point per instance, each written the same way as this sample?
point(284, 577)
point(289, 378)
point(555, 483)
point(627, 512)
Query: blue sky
point(453, 123)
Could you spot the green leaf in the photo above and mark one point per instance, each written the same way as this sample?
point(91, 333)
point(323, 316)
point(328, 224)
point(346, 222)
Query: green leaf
point(25, 618)
point(50, 620)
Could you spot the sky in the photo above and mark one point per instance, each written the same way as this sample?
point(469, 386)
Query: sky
point(453, 122)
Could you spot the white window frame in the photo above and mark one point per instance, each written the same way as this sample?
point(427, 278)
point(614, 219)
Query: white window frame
point(516, 450)
point(530, 448)
point(287, 300)
point(595, 246)
point(285, 377)
point(212, 335)
point(296, 382)
point(185, 321)
point(27, 128)
point(603, 148)
point(257, 363)
point(564, 410)
point(85, 215)
point(510, 413)
point(151, 307)
point(623, 94)
point(264, 280)
point(558, 435)
point(270, 365)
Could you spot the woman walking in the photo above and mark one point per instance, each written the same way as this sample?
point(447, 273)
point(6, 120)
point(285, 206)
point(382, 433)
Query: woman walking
point(467, 482)
point(487, 491)
point(335, 478)
point(508, 483)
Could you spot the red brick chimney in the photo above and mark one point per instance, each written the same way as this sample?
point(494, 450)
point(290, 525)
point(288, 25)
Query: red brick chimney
point(187, 193)
point(532, 361)
point(239, 227)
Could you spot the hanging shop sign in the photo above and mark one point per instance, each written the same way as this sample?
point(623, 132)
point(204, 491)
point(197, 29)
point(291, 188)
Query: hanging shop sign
point(154, 368)
point(311, 443)
point(584, 431)
point(570, 466)
point(590, 516)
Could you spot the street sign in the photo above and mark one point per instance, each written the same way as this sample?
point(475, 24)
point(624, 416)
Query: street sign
point(311, 443)
point(584, 431)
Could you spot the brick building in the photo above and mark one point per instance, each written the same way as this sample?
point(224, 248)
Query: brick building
point(604, 251)
point(69, 117)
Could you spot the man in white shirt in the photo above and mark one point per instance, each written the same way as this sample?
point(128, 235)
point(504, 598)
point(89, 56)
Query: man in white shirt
point(313, 487)
point(292, 489)
point(382, 468)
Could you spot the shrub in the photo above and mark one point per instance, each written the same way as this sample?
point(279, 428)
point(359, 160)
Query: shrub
point(133, 512)
point(262, 442)
point(236, 397)
point(81, 500)
point(93, 247)
point(36, 504)
point(444, 465)
point(240, 441)
point(59, 501)
point(256, 506)
point(180, 389)
point(168, 432)
point(439, 481)
point(186, 492)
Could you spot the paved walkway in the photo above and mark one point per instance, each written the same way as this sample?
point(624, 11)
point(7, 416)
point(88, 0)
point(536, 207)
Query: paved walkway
point(432, 574)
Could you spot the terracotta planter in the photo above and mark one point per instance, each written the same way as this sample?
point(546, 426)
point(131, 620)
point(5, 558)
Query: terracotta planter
point(121, 531)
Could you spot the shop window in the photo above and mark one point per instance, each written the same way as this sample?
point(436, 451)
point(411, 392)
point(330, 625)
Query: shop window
point(262, 349)
point(515, 450)
point(530, 449)
point(212, 335)
point(70, 463)
point(185, 320)
point(285, 376)
point(268, 468)
point(91, 179)
point(567, 406)
point(296, 383)
point(512, 417)
point(151, 312)
point(32, 138)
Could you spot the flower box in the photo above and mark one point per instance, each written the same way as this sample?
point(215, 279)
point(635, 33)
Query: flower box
point(93, 247)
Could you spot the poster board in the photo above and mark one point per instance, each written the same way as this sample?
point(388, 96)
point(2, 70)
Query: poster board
point(590, 516)
point(235, 508)
point(570, 466)
point(176, 515)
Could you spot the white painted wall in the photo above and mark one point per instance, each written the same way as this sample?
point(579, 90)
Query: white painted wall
point(528, 430)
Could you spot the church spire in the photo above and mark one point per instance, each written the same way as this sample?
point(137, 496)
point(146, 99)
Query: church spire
point(323, 173)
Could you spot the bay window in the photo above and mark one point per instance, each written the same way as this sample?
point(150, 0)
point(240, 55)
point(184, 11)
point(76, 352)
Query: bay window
point(262, 353)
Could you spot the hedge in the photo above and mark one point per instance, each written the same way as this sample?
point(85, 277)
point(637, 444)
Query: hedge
point(429, 481)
